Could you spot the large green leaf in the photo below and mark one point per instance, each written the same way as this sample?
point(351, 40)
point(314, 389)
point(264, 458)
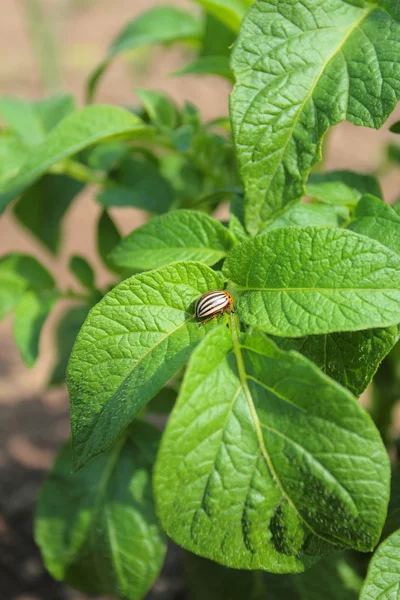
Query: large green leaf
point(160, 25)
point(308, 214)
point(383, 577)
point(31, 313)
point(350, 358)
point(333, 578)
point(300, 281)
point(131, 344)
point(302, 67)
point(342, 187)
point(97, 529)
point(266, 461)
point(74, 133)
point(42, 207)
point(230, 12)
point(32, 120)
point(377, 220)
point(179, 235)
point(20, 273)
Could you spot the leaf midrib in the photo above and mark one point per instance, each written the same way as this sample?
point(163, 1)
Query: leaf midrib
point(316, 289)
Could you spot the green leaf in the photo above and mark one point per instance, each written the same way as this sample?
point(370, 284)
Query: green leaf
point(208, 65)
point(236, 219)
point(97, 529)
point(32, 120)
point(378, 221)
point(163, 402)
point(139, 183)
point(302, 67)
point(395, 128)
point(383, 577)
point(67, 330)
point(76, 132)
point(31, 313)
point(178, 235)
point(20, 273)
point(160, 25)
point(309, 214)
point(161, 110)
point(79, 266)
point(300, 281)
point(351, 359)
point(217, 39)
point(393, 152)
point(131, 344)
point(261, 455)
point(230, 12)
point(107, 238)
point(342, 187)
point(13, 153)
point(393, 517)
point(333, 578)
point(42, 207)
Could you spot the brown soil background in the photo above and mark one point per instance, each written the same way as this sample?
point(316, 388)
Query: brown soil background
point(33, 420)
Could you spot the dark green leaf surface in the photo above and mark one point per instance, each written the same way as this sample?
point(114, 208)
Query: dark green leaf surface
point(217, 39)
point(42, 207)
point(161, 110)
point(309, 214)
point(160, 25)
point(395, 128)
point(333, 578)
point(230, 12)
point(378, 221)
point(236, 219)
point(31, 313)
point(265, 460)
point(392, 523)
point(208, 65)
point(179, 235)
point(108, 237)
point(342, 187)
point(20, 273)
point(302, 67)
point(131, 344)
point(32, 120)
point(67, 330)
point(79, 266)
point(350, 358)
point(299, 281)
point(163, 402)
point(383, 577)
point(76, 132)
point(97, 529)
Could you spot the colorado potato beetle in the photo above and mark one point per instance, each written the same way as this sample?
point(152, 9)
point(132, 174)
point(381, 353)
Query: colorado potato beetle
point(211, 304)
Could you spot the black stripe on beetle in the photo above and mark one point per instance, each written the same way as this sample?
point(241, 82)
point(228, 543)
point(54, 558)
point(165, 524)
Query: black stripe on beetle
point(211, 304)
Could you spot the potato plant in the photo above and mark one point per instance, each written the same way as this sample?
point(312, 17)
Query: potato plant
point(269, 472)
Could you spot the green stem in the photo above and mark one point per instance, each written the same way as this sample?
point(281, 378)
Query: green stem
point(78, 171)
point(44, 44)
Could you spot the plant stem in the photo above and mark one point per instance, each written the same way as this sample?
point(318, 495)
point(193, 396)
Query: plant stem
point(44, 45)
point(79, 171)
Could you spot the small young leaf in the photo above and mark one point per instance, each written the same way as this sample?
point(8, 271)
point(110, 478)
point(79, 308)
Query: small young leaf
point(139, 183)
point(31, 313)
point(342, 187)
point(20, 273)
point(395, 128)
point(378, 221)
point(383, 577)
point(179, 235)
point(230, 12)
point(42, 207)
point(97, 529)
point(32, 120)
point(107, 238)
point(76, 132)
point(351, 359)
point(393, 153)
point(82, 270)
point(301, 68)
point(161, 110)
point(208, 65)
point(300, 281)
point(309, 214)
point(131, 344)
point(160, 25)
point(261, 454)
point(67, 330)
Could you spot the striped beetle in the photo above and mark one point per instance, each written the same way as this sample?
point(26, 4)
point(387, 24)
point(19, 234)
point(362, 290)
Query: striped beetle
point(211, 304)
